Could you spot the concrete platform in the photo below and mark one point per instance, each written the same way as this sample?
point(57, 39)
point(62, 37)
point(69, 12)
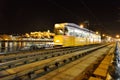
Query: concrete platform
point(76, 69)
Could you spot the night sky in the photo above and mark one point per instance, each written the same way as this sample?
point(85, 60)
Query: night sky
point(21, 16)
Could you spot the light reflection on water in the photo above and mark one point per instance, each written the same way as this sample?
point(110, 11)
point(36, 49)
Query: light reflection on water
point(16, 46)
point(9, 46)
point(6, 47)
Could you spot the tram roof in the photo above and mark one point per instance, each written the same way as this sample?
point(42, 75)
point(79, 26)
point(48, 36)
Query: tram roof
point(77, 26)
point(73, 25)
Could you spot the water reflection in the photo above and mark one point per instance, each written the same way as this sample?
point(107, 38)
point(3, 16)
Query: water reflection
point(13, 46)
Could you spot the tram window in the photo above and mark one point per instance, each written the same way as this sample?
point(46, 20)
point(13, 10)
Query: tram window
point(71, 33)
point(59, 32)
point(82, 35)
point(77, 35)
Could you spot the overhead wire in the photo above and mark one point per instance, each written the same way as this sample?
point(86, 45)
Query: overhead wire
point(95, 17)
point(76, 15)
point(91, 12)
point(73, 14)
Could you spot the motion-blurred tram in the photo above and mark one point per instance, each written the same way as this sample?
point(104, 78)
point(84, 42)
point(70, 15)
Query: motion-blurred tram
point(70, 34)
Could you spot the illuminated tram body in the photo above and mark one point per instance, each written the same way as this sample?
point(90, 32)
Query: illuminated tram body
point(70, 34)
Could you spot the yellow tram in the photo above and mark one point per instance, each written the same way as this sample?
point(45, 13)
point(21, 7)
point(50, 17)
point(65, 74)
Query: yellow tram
point(70, 34)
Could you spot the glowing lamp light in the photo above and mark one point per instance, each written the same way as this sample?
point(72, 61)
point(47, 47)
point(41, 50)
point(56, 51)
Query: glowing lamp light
point(81, 26)
point(97, 32)
point(6, 39)
point(57, 25)
point(103, 35)
point(117, 36)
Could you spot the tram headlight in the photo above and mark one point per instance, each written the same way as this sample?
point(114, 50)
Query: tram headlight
point(57, 41)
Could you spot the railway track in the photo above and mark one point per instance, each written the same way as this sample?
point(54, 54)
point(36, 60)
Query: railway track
point(14, 56)
point(21, 59)
point(80, 69)
point(38, 67)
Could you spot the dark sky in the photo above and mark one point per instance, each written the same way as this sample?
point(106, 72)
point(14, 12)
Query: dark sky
point(21, 16)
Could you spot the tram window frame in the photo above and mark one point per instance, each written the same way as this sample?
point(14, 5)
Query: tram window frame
point(70, 31)
point(65, 31)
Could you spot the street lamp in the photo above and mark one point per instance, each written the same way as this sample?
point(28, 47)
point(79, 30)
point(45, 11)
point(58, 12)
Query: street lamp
point(96, 32)
point(103, 35)
point(117, 36)
point(81, 26)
